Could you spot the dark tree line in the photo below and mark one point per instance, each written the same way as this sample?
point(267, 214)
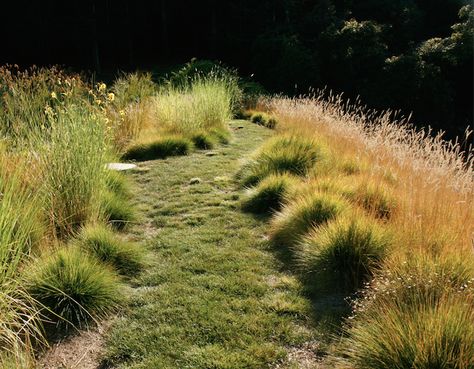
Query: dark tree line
point(413, 55)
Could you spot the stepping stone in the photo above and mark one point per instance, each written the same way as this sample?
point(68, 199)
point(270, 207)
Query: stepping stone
point(193, 181)
point(120, 166)
point(211, 153)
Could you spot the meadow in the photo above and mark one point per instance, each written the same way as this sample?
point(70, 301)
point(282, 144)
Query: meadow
point(308, 225)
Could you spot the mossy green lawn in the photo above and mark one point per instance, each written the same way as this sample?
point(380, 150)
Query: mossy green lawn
point(213, 295)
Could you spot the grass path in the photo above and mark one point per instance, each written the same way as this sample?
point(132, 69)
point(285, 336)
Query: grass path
point(213, 294)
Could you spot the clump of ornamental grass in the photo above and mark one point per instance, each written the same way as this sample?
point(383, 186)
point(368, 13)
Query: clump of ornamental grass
point(376, 198)
point(343, 254)
point(102, 243)
point(118, 184)
point(74, 287)
point(269, 195)
point(21, 231)
point(436, 335)
point(203, 140)
point(116, 210)
point(73, 157)
point(264, 119)
point(304, 212)
point(202, 104)
point(132, 88)
point(415, 314)
point(288, 153)
point(158, 149)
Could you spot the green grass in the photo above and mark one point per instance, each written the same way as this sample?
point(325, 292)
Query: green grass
point(213, 296)
point(158, 149)
point(301, 214)
point(74, 287)
point(74, 158)
point(116, 210)
point(118, 184)
point(342, 255)
point(282, 154)
point(101, 242)
point(203, 141)
point(269, 195)
point(264, 119)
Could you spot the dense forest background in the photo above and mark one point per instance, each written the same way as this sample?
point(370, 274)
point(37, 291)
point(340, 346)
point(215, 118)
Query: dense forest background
point(412, 55)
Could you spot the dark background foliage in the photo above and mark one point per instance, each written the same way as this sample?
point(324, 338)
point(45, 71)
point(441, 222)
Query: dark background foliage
point(412, 55)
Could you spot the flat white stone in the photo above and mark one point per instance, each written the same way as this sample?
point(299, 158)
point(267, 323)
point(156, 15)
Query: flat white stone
point(120, 166)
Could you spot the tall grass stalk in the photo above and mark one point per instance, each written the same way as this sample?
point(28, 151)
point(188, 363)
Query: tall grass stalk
point(74, 160)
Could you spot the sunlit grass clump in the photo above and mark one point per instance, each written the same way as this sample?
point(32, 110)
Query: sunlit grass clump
point(118, 184)
point(74, 287)
point(102, 243)
point(343, 254)
point(376, 198)
point(73, 159)
point(205, 104)
point(291, 154)
point(269, 194)
point(301, 214)
point(264, 119)
point(159, 148)
point(116, 210)
point(426, 334)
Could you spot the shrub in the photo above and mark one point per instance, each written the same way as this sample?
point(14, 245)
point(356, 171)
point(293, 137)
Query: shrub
point(304, 212)
point(292, 154)
point(159, 149)
point(203, 141)
point(101, 242)
point(269, 194)
point(342, 254)
point(116, 210)
point(74, 287)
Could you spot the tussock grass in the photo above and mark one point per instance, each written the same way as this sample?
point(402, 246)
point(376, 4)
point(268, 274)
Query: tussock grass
point(264, 119)
point(375, 197)
point(101, 242)
point(74, 287)
point(397, 335)
point(269, 195)
point(116, 210)
point(159, 148)
point(203, 141)
point(297, 218)
point(343, 254)
point(118, 184)
point(292, 154)
point(417, 311)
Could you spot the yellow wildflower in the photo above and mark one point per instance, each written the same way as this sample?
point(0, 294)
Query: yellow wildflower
point(110, 96)
point(102, 87)
point(98, 101)
point(122, 113)
point(53, 95)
